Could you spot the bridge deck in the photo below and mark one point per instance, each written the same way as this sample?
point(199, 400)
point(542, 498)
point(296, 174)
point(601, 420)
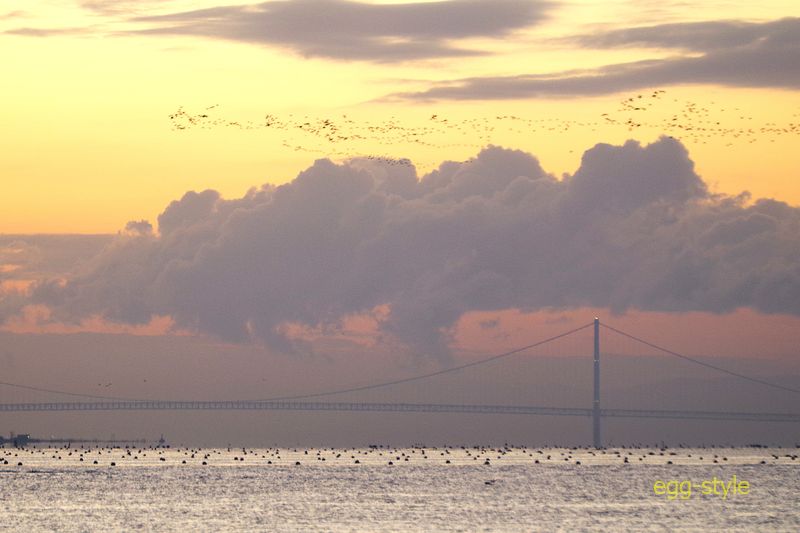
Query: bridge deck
point(393, 407)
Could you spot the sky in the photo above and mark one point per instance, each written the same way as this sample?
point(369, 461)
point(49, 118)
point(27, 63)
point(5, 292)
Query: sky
point(353, 190)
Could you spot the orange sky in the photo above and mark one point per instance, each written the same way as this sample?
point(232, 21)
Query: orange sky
point(88, 144)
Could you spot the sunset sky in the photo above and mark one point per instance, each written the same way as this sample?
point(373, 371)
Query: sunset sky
point(424, 178)
point(87, 143)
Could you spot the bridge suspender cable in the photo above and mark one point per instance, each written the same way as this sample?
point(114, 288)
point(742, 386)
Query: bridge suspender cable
point(701, 363)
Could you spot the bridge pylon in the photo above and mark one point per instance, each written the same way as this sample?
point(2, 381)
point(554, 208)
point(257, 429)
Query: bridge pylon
point(596, 438)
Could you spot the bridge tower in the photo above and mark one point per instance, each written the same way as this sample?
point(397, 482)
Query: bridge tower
point(597, 441)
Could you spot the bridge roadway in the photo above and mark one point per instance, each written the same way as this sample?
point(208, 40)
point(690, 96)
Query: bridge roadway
point(392, 407)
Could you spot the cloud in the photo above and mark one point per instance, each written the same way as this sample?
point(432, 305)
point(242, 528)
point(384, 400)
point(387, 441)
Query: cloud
point(349, 30)
point(12, 15)
point(633, 228)
point(26, 259)
point(117, 7)
point(139, 227)
point(48, 255)
point(47, 32)
point(732, 54)
point(694, 36)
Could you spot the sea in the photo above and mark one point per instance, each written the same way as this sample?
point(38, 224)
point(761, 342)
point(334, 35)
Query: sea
point(381, 488)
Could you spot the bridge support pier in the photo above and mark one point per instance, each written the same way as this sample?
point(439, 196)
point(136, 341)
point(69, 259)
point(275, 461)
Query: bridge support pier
point(597, 441)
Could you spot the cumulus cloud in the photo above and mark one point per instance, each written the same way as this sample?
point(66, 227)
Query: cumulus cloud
point(733, 54)
point(139, 227)
point(25, 259)
point(40, 256)
point(633, 227)
point(349, 30)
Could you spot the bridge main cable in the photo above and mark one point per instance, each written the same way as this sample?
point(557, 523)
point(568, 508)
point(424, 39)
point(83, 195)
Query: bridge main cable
point(701, 363)
point(431, 374)
point(327, 393)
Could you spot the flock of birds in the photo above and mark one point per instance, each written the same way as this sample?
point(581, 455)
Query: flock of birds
point(699, 124)
point(376, 455)
point(342, 136)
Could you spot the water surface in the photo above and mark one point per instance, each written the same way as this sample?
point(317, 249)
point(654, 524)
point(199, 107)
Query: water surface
point(266, 490)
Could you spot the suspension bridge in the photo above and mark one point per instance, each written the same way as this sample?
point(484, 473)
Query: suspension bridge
point(596, 413)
